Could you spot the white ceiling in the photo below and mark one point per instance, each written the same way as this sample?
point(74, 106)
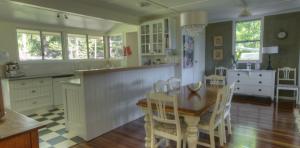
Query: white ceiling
point(30, 14)
point(217, 9)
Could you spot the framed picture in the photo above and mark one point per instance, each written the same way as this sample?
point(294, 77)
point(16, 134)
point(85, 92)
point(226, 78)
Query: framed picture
point(218, 41)
point(218, 54)
point(188, 51)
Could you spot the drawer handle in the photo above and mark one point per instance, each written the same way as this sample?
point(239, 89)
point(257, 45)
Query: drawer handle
point(238, 74)
point(238, 81)
point(34, 102)
point(260, 75)
point(259, 89)
point(23, 83)
point(33, 91)
point(41, 81)
point(259, 82)
point(238, 88)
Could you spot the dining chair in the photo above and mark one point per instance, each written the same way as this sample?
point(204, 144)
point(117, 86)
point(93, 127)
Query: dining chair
point(287, 80)
point(214, 81)
point(211, 121)
point(162, 125)
point(160, 86)
point(226, 114)
point(221, 71)
point(174, 83)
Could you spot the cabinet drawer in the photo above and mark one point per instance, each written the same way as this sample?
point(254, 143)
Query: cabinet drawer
point(42, 82)
point(29, 93)
point(31, 103)
point(254, 90)
point(20, 84)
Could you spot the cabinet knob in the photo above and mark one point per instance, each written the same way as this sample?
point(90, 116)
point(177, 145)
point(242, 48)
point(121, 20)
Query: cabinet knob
point(238, 81)
point(41, 81)
point(238, 74)
point(260, 75)
point(23, 83)
point(259, 89)
point(34, 102)
point(33, 91)
point(238, 88)
point(259, 82)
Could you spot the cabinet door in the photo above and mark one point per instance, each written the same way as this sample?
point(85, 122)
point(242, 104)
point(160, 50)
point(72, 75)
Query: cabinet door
point(157, 37)
point(145, 39)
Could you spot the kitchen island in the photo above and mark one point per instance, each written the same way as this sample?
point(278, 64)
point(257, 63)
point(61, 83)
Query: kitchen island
point(100, 100)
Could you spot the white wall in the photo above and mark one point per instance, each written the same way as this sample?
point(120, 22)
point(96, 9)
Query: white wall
point(8, 43)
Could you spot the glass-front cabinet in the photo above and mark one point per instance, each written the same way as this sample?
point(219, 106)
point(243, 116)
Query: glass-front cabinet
point(154, 37)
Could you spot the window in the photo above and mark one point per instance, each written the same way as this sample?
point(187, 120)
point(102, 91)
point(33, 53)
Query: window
point(77, 46)
point(96, 47)
point(31, 47)
point(248, 40)
point(52, 46)
point(116, 47)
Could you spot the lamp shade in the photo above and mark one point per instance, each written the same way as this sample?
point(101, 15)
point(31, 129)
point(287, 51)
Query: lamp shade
point(193, 18)
point(270, 50)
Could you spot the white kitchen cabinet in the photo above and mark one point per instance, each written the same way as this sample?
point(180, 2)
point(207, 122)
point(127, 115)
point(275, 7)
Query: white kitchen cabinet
point(253, 82)
point(156, 36)
point(58, 90)
point(28, 94)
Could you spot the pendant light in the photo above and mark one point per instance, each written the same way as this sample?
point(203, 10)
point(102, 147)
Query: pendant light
point(192, 23)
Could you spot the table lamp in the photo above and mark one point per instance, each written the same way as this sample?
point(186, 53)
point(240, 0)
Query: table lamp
point(269, 51)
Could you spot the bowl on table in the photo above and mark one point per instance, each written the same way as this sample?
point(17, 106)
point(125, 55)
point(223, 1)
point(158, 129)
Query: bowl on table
point(195, 87)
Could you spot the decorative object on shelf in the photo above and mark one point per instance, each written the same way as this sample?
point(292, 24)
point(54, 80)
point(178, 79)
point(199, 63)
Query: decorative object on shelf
point(269, 51)
point(188, 51)
point(282, 35)
point(218, 41)
point(192, 23)
point(218, 54)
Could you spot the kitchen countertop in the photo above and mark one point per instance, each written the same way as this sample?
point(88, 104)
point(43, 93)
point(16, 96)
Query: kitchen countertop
point(54, 75)
point(14, 123)
point(116, 69)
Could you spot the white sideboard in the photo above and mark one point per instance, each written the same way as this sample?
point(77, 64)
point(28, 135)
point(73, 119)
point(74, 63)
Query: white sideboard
point(253, 82)
point(28, 94)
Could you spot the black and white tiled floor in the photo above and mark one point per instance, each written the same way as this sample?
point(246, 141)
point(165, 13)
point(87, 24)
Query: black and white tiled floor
point(54, 135)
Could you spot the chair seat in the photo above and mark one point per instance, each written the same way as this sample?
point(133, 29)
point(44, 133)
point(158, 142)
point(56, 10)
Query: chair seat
point(169, 128)
point(205, 119)
point(287, 86)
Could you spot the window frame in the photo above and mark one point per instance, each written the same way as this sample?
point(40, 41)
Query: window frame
point(248, 19)
point(42, 46)
point(108, 45)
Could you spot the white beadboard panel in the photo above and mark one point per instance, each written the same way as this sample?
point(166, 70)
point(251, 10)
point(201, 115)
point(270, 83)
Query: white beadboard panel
point(111, 97)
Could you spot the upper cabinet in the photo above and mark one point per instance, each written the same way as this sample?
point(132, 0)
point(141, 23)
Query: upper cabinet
point(157, 36)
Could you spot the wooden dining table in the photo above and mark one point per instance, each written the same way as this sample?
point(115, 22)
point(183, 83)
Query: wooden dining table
point(191, 105)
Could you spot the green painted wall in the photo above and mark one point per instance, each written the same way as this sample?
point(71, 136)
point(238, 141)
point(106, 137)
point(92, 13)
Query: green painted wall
point(288, 48)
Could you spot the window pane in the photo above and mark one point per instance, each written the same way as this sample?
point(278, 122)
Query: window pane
point(29, 45)
point(96, 47)
point(116, 47)
point(249, 51)
point(248, 30)
point(77, 46)
point(52, 46)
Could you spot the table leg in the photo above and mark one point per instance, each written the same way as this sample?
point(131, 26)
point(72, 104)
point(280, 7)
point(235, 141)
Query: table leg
point(192, 130)
point(147, 130)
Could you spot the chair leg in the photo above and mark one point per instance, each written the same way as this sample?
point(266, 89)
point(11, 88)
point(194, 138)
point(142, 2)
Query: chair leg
point(297, 97)
point(224, 131)
point(212, 138)
point(184, 142)
point(220, 132)
point(277, 93)
point(228, 120)
point(178, 143)
point(152, 141)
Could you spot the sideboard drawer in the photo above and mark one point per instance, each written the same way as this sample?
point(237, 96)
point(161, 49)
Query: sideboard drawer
point(23, 105)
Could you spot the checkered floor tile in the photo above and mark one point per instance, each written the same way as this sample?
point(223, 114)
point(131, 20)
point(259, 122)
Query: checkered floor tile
point(54, 135)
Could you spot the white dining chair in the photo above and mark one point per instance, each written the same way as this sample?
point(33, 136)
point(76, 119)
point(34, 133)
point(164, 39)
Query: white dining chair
point(162, 125)
point(211, 121)
point(221, 71)
point(174, 83)
point(160, 86)
point(226, 115)
point(287, 80)
point(214, 81)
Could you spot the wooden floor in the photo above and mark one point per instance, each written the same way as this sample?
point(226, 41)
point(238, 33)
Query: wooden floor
point(256, 124)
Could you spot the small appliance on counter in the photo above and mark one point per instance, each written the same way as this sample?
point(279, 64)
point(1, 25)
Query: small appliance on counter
point(13, 70)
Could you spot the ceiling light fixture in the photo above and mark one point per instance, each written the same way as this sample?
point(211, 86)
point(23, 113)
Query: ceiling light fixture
point(193, 23)
point(245, 11)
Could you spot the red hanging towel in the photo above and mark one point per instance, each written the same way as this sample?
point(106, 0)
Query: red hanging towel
point(127, 51)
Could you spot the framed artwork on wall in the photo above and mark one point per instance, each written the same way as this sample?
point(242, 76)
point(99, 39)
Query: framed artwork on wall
point(218, 41)
point(188, 51)
point(218, 54)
